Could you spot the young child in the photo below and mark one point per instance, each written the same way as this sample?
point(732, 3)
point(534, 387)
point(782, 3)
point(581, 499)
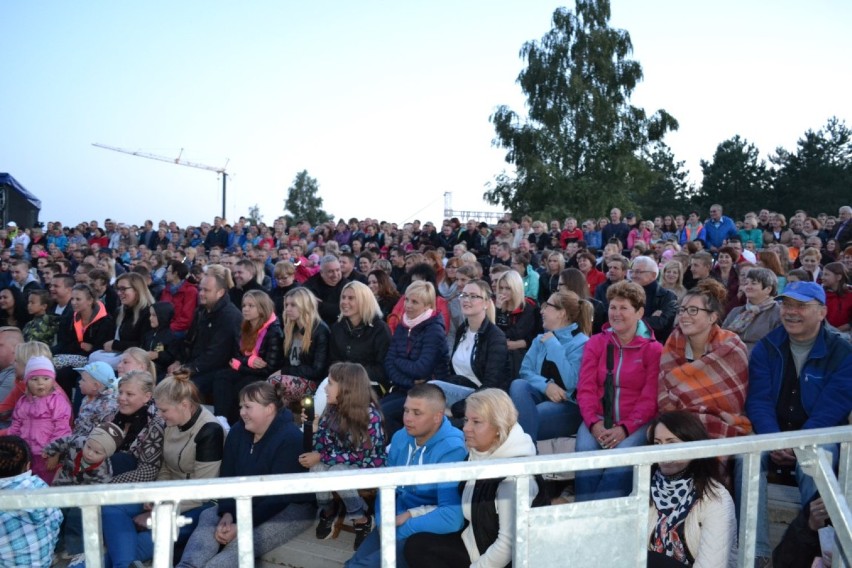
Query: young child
point(41, 415)
point(42, 327)
point(349, 435)
point(160, 342)
point(85, 466)
point(27, 536)
point(100, 403)
point(90, 464)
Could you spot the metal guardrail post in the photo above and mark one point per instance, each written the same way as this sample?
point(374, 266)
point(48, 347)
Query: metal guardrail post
point(91, 517)
point(642, 493)
point(522, 522)
point(387, 530)
point(844, 477)
point(749, 508)
point(817, 463)
point(245, 532)
point(163, 532)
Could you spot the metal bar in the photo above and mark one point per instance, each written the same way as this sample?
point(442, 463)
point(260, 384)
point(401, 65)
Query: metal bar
point(387, 530)
point(844, 478)
point(91, 517)
point(163, 532)
point(817, 463)
point(749, 489)
point(521, 521)
point(642, 494)
point(245, 532)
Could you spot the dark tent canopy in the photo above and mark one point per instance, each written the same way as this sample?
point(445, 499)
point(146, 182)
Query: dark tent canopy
point(16, 203)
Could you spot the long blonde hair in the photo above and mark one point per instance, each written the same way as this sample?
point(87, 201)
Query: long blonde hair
point(144, 299)
point(309, 318)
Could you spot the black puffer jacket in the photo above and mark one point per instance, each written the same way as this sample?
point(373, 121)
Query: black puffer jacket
point(313, 364)
point(489, 359)
point(130, 333)
point(270, 351)
point(364, 344)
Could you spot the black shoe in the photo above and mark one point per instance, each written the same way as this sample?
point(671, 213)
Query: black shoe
point(325, 525)
point(361, 531)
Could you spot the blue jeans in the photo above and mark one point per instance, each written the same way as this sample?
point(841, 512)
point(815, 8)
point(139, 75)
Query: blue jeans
point(605, 483)
point(807, 493)
point(125, 544)
point(355, 505)
point(541, 418)
point(392, 408)
point(369, 554)
point(454, 393)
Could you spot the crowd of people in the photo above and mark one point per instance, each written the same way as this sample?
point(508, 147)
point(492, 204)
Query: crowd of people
point(134, 354)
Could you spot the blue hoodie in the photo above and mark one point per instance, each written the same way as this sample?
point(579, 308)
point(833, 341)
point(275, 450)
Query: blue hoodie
point(447, 445)
point(566, 352)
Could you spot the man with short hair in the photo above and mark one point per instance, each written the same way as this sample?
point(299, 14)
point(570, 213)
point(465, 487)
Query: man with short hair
point(245, 279)
point(843, 229)
point(800, 378)
point(347, 268)
point(700, 265)
point(427, 438)
point(182, 295)
point(718, 228)
point(22, 278)
point(10, 338)
point(616, 228)
point(99, 282)
point(213, 336)
point(326, 285)
point(617, 266)
point(660, 303)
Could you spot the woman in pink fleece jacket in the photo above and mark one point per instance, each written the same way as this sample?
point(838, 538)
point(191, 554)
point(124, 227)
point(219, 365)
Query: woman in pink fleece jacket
point(617, 403)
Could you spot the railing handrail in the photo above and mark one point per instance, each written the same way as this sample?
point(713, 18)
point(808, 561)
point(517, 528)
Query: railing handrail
point(288, 484)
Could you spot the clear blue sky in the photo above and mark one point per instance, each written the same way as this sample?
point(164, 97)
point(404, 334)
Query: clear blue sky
point(385, 103)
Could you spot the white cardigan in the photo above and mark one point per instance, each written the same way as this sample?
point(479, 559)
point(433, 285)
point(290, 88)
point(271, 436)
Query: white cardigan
point(710, 529)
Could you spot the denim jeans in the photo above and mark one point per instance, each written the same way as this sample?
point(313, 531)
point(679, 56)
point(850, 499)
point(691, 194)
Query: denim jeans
point(453, 393)
point(605, 483)
point(355, 505)
point(541, 418)
point(125, 544)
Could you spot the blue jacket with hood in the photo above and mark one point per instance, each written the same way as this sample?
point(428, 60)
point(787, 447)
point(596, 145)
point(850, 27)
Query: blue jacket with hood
point(447, 445)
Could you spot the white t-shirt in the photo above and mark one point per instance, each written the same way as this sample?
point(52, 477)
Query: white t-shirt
point(462, 355)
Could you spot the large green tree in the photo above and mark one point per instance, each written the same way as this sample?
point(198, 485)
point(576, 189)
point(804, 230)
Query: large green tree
point(817, 177)
point(303, 200)
point(670, 193)
point(737, 179)
point(579, 149)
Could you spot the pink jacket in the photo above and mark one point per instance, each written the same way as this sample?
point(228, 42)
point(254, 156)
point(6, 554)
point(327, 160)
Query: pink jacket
point(636, 368)
point(40, 420)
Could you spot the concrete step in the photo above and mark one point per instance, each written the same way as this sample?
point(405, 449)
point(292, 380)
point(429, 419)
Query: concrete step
point(306, 551)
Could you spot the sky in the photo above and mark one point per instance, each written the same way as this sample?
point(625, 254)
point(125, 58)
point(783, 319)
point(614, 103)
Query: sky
point(386, 104)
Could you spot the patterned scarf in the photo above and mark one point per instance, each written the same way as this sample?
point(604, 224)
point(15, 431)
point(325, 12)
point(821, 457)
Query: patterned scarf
point(713, 387)
point(743, 319)
point(673, 496)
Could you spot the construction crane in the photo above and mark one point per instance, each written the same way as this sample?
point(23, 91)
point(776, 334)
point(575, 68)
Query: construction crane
point(179, 162)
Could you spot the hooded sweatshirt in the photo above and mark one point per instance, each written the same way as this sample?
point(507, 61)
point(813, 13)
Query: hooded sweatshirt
point(162, 339)
point(440, 501)
point(518, 444)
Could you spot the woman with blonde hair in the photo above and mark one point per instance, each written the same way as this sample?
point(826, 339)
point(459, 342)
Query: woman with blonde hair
point(418, 350)
point(259, 352)
point(810, 260)
point(516, 316)
point(192, 449)
point(491, 431)
point(544, 392)
point(671, 278)
point(548, 283)
point(221, 272)
point(306, 340)
point(132, 321)
point(479, 355)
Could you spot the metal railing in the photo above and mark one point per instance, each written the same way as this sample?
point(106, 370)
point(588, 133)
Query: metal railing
point(612, 530)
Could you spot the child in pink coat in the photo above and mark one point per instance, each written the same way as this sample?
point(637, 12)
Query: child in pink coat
point(41, 415)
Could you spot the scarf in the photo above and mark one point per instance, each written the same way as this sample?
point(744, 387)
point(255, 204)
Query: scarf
point(411, 323)
point(132, 425)
point(673, 496)
point(712, 387)
point(747, 315)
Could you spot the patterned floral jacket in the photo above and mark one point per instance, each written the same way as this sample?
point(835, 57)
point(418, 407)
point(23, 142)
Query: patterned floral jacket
point(336, 448)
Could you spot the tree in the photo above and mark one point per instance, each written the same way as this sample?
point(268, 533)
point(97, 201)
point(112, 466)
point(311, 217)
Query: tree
point(303, 200)
point(669, 193)
point(254, 215)
point(818, 176)
point(737, 179)
point(580, 147)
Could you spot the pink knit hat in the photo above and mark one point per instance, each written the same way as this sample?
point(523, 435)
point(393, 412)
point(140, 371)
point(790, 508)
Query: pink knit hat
point(39, 366)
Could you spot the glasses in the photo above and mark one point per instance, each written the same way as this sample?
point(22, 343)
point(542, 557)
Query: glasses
point(549, 305)
point(692, 310)
point(120, 289)
point(466, 296)
point(789, 304)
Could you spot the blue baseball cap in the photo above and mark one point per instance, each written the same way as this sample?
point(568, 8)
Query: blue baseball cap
point(101, 372)
point(804, 292)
